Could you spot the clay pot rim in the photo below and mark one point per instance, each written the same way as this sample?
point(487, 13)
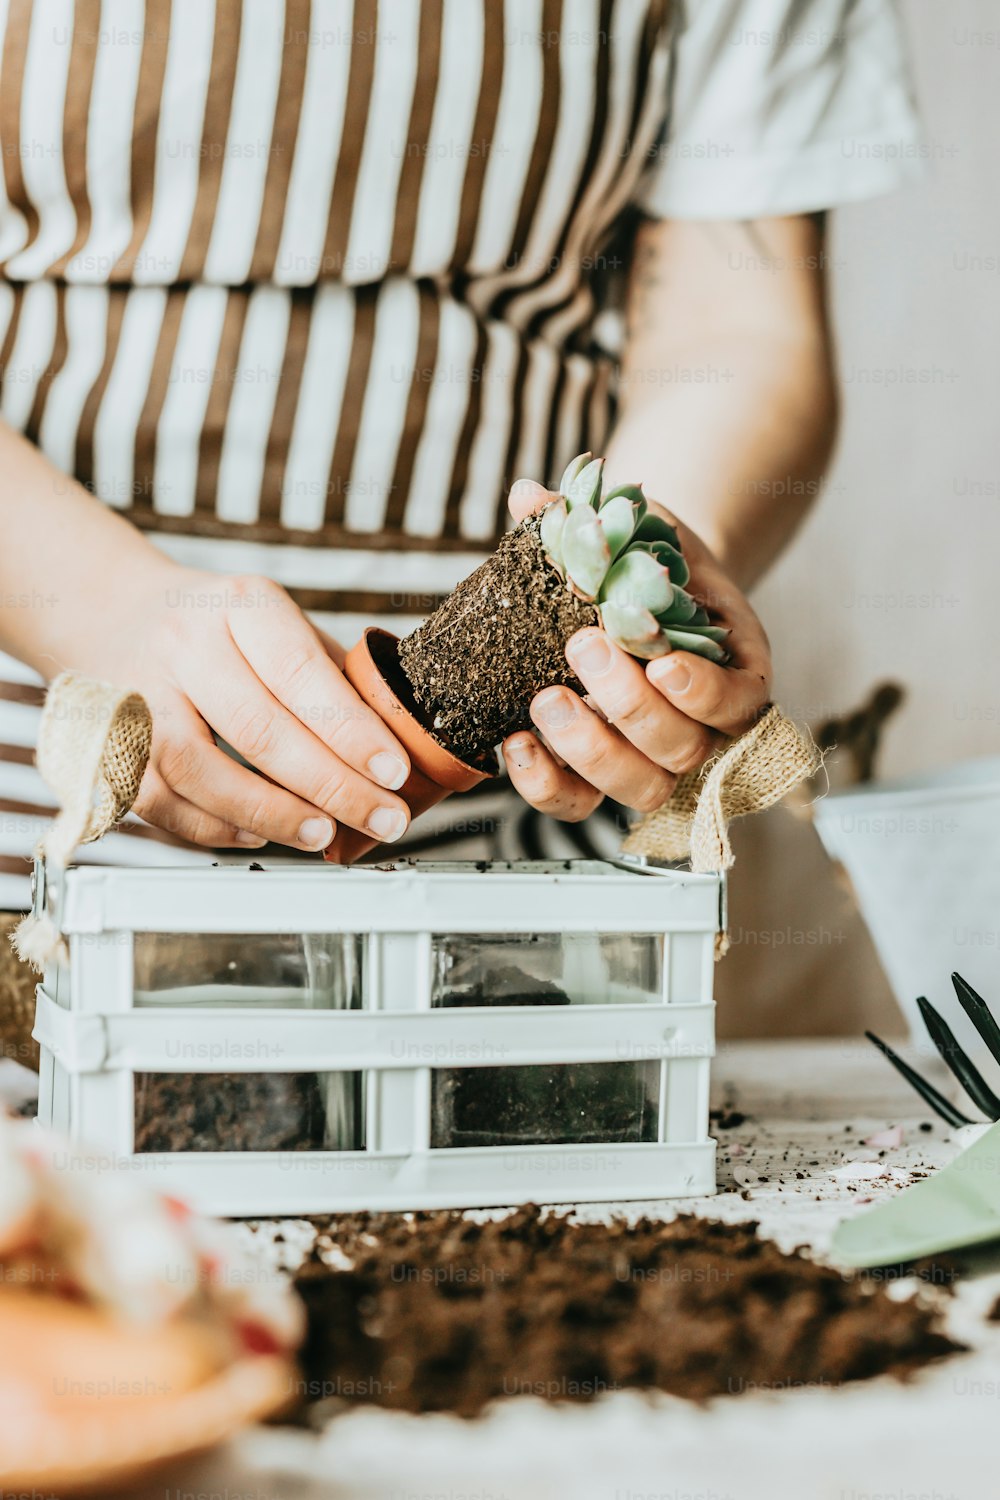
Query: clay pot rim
point(393, 700)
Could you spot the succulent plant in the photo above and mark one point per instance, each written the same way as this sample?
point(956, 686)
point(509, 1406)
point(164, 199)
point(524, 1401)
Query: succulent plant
point(613, 552)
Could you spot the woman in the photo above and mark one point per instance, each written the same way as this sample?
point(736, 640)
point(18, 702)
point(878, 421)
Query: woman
point(295, 291)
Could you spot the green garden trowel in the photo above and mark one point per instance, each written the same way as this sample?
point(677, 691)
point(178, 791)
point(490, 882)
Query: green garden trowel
point(960, 1204)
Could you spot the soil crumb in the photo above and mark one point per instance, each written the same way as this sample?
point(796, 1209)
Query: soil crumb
point(433, 1312)
point(494, 643)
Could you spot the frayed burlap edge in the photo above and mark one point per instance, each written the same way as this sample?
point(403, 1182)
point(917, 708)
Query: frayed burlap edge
point(93, 745)
point(752, 773)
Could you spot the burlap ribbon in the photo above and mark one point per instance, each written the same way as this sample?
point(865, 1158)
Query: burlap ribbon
point(93, 745)
point(750, 774)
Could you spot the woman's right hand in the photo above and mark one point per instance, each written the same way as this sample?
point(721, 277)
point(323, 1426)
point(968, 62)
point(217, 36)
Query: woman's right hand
point(236, 657)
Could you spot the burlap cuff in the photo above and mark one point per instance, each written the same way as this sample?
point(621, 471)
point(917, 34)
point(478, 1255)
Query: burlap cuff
point(93, 745)
point(752, 773)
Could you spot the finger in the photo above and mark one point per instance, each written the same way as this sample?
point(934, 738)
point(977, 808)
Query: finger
point(549, 787)
point(191, 765)
point(528, 496)
point(618, 686)
point(598, 753)
point(716, 592)
point(332, 647)
point(238, 706)
point(286, 654)
point(730, 699)
point(712, 587)
point(160, 805)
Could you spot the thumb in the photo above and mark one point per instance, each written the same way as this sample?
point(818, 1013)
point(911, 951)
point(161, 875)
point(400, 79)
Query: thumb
point(527, 496)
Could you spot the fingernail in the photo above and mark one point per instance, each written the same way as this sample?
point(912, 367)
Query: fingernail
point(252, 840)
point(388, 770)
point(674, 674)
point(522, 752)
point(387, 824)
point(315, 833)
point(591, 654)
point(557, 712)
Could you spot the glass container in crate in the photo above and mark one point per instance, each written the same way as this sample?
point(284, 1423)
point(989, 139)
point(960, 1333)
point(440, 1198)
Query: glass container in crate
point(564, 1103)
point(299, 1039)
point(243, 1110)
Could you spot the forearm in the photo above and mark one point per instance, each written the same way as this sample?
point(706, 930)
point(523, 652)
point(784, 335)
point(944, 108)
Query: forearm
point(729, 405)
point(216, 659)
point(67, 562)
point(734, 437)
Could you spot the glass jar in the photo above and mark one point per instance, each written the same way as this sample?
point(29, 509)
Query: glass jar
point(546, 1104)
point(261, 1110)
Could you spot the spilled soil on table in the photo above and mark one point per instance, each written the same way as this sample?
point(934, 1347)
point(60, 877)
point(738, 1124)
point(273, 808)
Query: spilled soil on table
point(432, 1312)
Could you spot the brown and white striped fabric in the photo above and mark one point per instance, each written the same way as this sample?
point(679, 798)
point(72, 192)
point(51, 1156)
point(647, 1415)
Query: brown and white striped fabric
point(300, 287)
point(317, 275)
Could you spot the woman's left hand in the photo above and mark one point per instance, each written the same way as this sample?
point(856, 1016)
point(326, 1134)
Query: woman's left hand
point(642, 723)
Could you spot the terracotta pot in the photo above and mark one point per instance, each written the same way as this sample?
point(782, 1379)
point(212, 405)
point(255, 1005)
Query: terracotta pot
point(372, 668)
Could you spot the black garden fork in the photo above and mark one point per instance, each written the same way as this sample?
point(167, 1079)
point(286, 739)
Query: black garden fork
point(956, 1059)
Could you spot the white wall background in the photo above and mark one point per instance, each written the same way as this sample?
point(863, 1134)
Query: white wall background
point(897, 573)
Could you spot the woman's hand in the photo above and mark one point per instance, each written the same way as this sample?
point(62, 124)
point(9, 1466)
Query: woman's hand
point(211, 655)
point(236, 657)
point(642, 724)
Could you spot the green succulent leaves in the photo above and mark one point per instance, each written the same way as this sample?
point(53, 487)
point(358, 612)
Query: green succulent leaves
point(637, 578)
point(586, 553)
point(634, 628)
point(581, 482)
point(616, 554)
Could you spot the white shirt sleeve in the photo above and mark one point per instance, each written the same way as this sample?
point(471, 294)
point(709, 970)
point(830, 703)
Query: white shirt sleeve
point(783, 107)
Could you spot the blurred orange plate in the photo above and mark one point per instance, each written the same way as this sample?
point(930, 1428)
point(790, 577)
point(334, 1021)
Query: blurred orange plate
point(89, 1451)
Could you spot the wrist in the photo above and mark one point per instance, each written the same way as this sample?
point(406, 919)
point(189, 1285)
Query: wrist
point(99, 626)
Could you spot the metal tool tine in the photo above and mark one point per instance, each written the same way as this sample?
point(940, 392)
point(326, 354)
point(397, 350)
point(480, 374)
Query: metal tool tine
point(938, 1103)
point(979, 1013)
point(958, 1061)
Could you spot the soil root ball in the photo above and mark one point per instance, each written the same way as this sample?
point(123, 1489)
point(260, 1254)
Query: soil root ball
point(494, 643)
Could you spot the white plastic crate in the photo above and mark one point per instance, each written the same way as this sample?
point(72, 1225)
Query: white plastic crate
point(299, 1040)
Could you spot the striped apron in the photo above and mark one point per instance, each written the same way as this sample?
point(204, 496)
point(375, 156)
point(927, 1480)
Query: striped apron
point(300, 288)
